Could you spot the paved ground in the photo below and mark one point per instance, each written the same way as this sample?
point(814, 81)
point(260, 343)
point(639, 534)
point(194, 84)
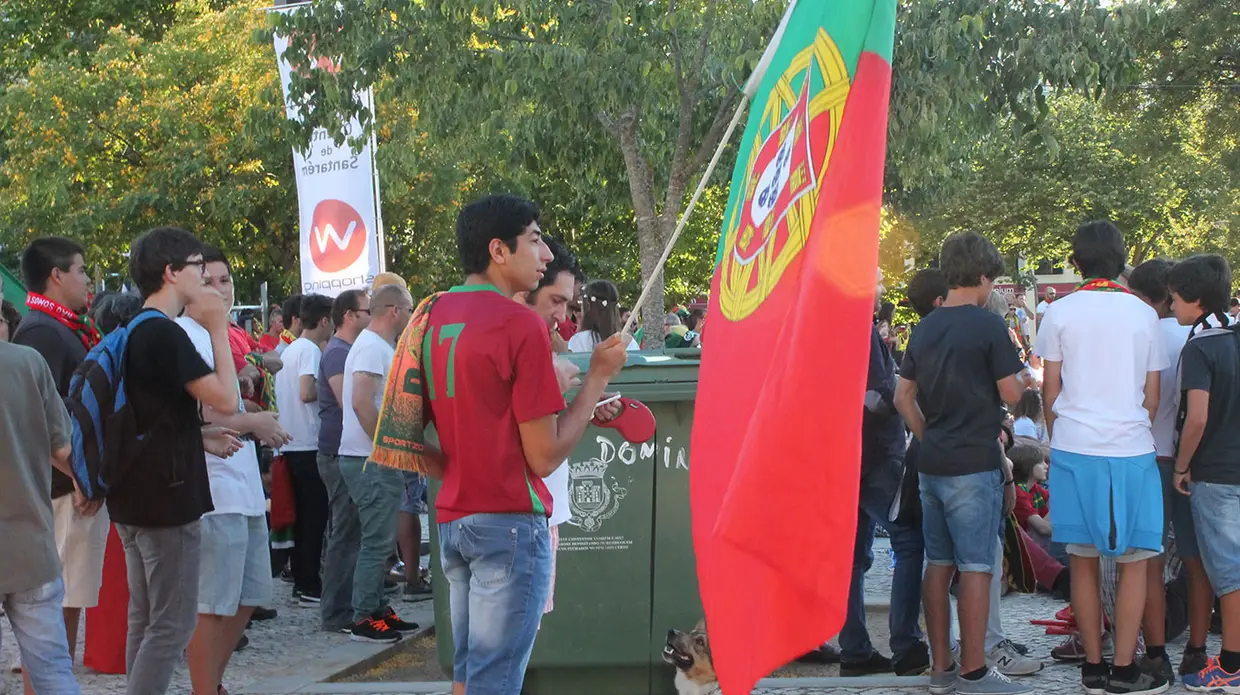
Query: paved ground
point(292, 644)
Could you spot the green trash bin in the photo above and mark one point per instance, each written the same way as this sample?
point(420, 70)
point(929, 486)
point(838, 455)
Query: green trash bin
point(625, 570)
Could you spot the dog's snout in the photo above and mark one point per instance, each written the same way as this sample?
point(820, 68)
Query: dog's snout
point(672, 634)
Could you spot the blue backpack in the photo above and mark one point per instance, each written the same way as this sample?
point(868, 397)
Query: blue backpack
point(105, 432)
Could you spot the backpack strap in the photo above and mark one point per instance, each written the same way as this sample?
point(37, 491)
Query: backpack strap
point(142, 318)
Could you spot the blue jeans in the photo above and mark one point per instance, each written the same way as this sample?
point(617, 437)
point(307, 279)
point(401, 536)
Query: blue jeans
point(498, 568)
point(377, 492)
point(909, 548)
point(961, 517)
point(1216, 509)
point(39, 625)
point(344, 537)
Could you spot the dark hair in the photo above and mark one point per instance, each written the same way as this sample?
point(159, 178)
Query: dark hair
point(96, 302)
point(925, 287)
point(116, 310)
point(562, 261)
point(1098, 250)
point(291, 309)
point(11, 316)
point(44, 255)
point(967, 258)
point(1030, 406)
point(349, 300)
point(602, 309)
point(315, 308)
point(1235, 302)
point(1150, 280)
point(502, 217)
point(1025, 455)
point(886, 312)
point(695, 318)
point(212, 254)
point(155, 252)
point(1204, 278)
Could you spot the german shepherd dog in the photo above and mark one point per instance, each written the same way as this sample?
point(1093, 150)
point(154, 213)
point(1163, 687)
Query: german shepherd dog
point(690, 654)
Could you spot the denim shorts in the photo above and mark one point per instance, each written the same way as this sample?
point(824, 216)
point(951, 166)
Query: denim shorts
point(236, 564)
point(415, 489)
point(1216, 509)
point(39, 625)
point(498, 568)
point(1177, 514)
point(961, 517)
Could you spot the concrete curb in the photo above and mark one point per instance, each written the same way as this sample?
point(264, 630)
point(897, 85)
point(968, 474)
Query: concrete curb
point(436, 687)
point(344, 661)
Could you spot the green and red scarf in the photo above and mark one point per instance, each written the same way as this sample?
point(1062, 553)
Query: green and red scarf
point(400, 433)
point(1102, 285)
point(80, 324)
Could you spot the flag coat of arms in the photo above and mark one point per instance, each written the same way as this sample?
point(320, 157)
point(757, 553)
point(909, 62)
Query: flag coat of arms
point(777, 428)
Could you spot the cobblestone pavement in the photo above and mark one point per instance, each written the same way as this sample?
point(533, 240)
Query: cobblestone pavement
point(280, 647)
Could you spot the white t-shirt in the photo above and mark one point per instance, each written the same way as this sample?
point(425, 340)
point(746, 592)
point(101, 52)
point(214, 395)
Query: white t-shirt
point(236, 484)
point(1043, 306)
point(1107, 342)
point(584, 341)
point(557, 485)
point(298, 418)
point(1026, 427)
point(373, 355)
point(1174, 336)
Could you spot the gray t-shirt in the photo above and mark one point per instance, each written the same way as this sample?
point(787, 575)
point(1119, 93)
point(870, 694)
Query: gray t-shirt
point(28, 436)
point(331, 417)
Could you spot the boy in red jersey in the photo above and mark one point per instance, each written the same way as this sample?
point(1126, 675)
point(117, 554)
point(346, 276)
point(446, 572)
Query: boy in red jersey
point(490, 388)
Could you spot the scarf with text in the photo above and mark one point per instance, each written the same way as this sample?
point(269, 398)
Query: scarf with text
point(81, 325)
point(400, 433)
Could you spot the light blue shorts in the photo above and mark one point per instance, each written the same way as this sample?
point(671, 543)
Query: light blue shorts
point(236, 564)
point(1113, 505)
point(415, 489)
point(960, 519)
point(1216, 509)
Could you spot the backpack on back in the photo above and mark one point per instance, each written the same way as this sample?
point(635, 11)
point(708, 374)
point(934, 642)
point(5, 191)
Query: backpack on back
point(105, 433)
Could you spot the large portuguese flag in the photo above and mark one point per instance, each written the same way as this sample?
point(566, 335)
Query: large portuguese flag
point(777, 433)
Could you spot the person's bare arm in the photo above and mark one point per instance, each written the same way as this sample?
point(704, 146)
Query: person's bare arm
point(337, 386)
point(1052, 386)
point(549, 440)
point(308, 388)
point(217, 390)
point(1190, 436)
point(365, 387)
point(1153, 389)
point(272, 362)
point(906, 404)
point(1040, 524)
point(262, 425)
point(60, 460)
point(1011, 388)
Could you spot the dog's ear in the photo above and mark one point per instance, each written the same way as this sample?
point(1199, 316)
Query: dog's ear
point(701, 626)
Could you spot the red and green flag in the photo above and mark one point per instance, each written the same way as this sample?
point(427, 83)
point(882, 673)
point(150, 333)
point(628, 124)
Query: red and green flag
point(777, 433)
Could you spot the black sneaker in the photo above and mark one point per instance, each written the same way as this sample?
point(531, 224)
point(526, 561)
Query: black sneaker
point(826, 654)
point(286, 576)
point(1160, 665)
point(915, 662)
point(308, 599)
point(876, 663)
point(1194, 661)
point(375, 631)
point(242, 643)
point(1095, 677)
point(1134, 681)
point(261, 614)
point(393, 621)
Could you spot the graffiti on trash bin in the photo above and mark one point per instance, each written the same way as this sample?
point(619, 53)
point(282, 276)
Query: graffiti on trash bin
point(628, 454)
point(592, 496)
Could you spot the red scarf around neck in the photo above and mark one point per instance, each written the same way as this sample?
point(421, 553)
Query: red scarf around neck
point(1103, 285)
point(81, 325)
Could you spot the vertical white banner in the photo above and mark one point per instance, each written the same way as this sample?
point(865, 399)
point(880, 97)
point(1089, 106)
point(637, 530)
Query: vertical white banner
point(337, 196)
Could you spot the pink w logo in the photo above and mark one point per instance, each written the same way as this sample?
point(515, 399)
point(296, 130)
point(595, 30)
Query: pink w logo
point(331, 251)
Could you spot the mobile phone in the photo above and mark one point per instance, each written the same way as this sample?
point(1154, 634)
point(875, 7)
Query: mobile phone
point(605, 401)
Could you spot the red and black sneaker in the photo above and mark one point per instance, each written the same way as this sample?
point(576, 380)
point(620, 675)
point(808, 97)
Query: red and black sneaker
point(374, 630)
point(394, 622)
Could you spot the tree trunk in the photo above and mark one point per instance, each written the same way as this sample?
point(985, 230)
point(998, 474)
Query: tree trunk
point(651, 240)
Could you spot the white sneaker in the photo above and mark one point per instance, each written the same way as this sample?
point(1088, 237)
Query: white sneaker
point(1006, 660)
point(993, 683)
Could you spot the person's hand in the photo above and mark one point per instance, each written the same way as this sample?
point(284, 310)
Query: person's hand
point(558, 345)
point(567, 374)
point(1182, 481)
point(84, 506)
point(209, 310)
point(610, 411)
point(609, 357)
point(266, 428)
point(221, 441)
point(247, 386)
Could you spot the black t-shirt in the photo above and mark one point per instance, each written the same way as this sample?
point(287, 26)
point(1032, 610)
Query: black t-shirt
point(1212, 363)
point(63, 351)
point(956, 355)
point(167, 484)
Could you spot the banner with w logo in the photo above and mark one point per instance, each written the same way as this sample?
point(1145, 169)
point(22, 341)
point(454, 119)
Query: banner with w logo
point(337, 195)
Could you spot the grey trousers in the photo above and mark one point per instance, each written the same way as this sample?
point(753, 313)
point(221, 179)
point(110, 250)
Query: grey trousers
point(162, 564)
point(344, 537)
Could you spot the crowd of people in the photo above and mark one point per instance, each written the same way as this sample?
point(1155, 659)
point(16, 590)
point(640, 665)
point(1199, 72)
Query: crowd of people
point(229, 428)
point(1098, 445)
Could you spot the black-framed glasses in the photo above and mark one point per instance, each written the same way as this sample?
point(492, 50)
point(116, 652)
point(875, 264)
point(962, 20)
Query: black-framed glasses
point(202, 265)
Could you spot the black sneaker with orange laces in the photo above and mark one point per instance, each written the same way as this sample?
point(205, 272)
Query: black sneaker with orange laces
point(395, 623)
point(374, 630)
